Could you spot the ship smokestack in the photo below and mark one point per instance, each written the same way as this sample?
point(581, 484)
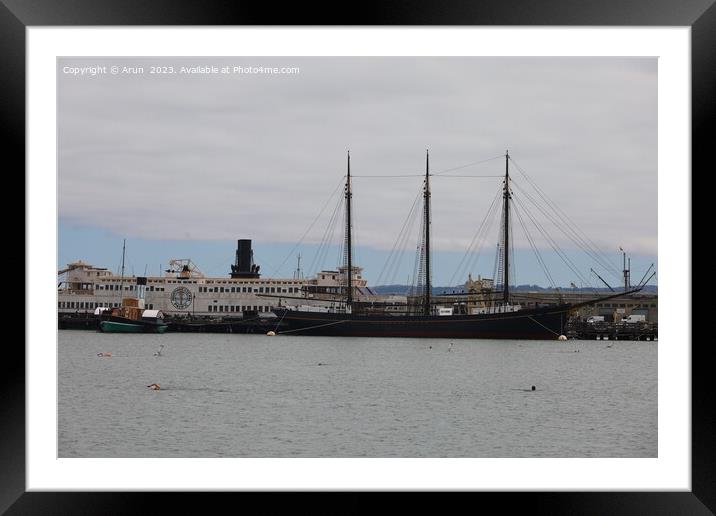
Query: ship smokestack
point(244, 266)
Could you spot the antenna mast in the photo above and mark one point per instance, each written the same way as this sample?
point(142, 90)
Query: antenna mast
point(626, 270)
point(121, 281)
point(298, 274)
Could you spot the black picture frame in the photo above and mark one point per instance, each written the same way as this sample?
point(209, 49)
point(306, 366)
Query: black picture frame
point(700, 15)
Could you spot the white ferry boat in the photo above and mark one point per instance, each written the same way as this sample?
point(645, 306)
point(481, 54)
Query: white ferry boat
point(184, 290)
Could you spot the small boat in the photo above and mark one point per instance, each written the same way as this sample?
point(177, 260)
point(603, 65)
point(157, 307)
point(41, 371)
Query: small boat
point(130, 316)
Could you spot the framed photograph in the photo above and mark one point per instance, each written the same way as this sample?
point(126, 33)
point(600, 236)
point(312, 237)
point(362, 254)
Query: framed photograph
point(237, 186)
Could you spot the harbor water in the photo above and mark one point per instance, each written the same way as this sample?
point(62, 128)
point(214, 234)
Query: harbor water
point(231, 395)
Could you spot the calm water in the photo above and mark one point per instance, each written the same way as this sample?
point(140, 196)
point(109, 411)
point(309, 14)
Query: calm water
point(258, 396)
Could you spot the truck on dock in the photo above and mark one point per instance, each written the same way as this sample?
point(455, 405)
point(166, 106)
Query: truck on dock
point(634, 319)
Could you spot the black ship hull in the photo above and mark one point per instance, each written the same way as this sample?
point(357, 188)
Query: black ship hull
point(536, 324)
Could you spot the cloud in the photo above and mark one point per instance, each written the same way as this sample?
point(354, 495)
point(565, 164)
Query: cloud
point(212, 157)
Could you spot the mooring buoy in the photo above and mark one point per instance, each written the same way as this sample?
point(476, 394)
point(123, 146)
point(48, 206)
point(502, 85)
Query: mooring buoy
point(271, 333)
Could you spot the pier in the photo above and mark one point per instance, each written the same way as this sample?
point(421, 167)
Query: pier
point(255, 324)
point(583, 330)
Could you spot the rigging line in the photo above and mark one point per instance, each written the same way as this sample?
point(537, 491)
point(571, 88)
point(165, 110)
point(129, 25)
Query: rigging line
point(437, 173)
point(309, 228)
point(330, 242)
point(399, 249)
point(414, 288)
point(488, 228)
point(459, 271)
point(497, 265)
point(573, 237)
point(473, 263)
point(394, 175)
point(320, 251)
point(513, 262)
point(543, 326)
point(456, 175)
point(551, 241)
point(585, 241)
point(431, 175)
point(312, 327)
point(540, 260)
point(403, 246)
point(559, 211)
point(468, 165)
point(388, 264)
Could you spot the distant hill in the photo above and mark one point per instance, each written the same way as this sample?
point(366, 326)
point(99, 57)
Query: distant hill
point(402, 290)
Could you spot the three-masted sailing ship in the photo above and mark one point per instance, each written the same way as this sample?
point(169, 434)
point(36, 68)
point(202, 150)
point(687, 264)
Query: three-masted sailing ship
point(501, 319)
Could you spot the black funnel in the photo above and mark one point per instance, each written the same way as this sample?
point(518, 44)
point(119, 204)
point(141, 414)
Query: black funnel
point(244, 266)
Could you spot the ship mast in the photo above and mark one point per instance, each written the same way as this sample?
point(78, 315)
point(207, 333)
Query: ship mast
point(426, 196)
point(121, 281)
point(349, 272)
point(506, 292)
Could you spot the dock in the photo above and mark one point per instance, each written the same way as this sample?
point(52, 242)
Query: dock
point(88, 321)
point(583, 330)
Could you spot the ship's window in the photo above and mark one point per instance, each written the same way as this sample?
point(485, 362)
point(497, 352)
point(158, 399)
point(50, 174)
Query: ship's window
point(622, 305)
point(221, 308)
point(261, 289)
point(233, 289)
point(255, 308)
point(211, 308)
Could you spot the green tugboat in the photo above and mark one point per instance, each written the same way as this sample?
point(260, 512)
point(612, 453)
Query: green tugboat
point(130, 316)
point(115, 323)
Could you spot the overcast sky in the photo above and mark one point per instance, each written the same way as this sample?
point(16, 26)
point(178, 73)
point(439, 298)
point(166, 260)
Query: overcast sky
point(216, 157)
